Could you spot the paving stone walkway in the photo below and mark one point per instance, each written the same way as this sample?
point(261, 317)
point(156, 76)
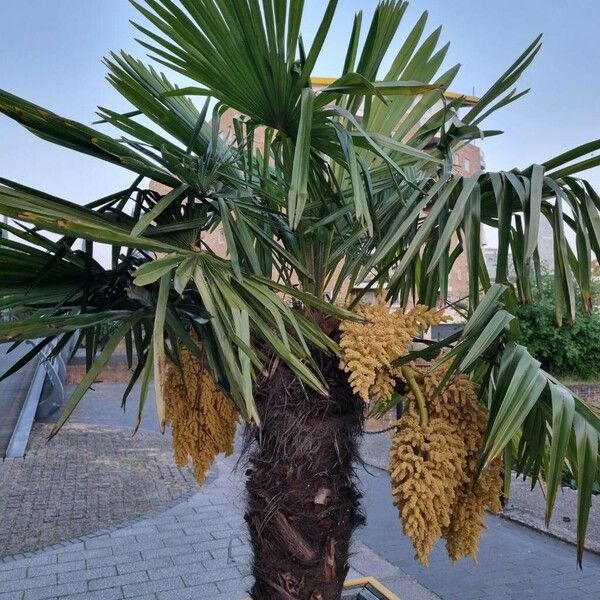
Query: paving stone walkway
point(88, 478)
point(198, 549)
point(193, 551)
point(94, 474)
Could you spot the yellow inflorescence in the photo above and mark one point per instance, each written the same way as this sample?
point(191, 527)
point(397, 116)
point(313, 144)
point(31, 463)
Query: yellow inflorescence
point(457, 406)
point(369, 347)
point(425, 463)
point(467, 525)
point(202, 419)
point(434, 462)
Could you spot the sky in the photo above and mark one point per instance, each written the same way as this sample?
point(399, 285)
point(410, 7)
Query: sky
point(51, 51)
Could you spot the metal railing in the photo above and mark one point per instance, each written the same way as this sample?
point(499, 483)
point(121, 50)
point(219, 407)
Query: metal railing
point(45, 395)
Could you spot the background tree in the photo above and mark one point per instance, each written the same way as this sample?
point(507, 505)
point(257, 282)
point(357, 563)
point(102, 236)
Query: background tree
point(352, 184)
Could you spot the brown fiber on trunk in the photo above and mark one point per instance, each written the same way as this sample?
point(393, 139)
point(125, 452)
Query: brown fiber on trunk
point(303, 504)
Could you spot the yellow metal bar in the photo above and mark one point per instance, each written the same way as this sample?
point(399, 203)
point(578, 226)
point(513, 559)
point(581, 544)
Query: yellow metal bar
point(468, 100)
point(361, 581)
point(322, 80)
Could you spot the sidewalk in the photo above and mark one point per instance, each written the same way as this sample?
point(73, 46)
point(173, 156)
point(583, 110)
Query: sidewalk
point(514, 562)
point(198, 548)
point(88, 478)
point(195, 550)
point(92, 475)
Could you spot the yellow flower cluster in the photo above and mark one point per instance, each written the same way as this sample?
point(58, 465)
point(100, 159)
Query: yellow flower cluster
point(460, 521)
point(425, 463)
point(467, 525)
point(369, 347)
point(433, 465)
point(458, 405)
point(202, 419)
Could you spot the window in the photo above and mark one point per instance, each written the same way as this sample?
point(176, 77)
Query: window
point(467, 165)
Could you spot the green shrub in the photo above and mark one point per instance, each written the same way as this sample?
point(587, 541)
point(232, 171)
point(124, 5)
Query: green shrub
point(570, 351)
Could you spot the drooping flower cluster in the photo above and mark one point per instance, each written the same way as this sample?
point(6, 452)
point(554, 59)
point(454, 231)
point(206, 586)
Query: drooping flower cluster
point(468, 519)
point(203, 421)
point(370, 347)
point(425, 464)
point(456, 405)
point(435, 453)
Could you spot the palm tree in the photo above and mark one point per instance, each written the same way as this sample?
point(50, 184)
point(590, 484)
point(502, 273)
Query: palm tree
point(350, 184)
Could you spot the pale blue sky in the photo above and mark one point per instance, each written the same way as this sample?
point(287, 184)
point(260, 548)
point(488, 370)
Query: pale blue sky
point(50, 53)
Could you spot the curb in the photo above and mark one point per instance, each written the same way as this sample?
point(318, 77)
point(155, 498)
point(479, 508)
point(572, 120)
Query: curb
point(547, 532)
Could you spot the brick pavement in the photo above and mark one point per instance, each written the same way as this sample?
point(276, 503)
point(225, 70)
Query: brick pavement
point(193, 551)
point(198, 549)
point(92, 475)
point(87, 478)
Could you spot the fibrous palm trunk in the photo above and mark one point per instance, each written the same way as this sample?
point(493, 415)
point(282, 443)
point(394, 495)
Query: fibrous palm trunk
point(303, 504)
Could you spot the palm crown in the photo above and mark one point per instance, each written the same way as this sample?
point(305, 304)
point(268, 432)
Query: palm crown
point(349, 184)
